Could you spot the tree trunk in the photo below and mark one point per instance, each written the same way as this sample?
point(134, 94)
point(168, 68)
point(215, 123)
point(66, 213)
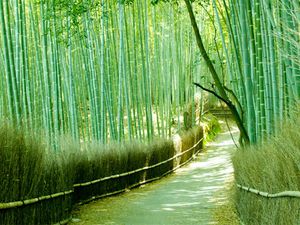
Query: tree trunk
point(221, 89)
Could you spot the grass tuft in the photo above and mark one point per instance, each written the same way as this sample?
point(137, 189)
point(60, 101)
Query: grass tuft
point(271, 167)
point(211, 127)
point(29, 170)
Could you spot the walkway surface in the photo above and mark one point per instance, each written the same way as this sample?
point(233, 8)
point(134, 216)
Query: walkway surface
point(186, 197)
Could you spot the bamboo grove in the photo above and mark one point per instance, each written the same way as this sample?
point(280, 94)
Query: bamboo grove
point(264, 69)
point(115, 70)
point(261, 47)
point(96, 70)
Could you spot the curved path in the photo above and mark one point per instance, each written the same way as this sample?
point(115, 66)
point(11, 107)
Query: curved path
point(186, 197)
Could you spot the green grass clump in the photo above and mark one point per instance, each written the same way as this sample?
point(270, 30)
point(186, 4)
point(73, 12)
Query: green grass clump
point(271, 167)
point(211, 127)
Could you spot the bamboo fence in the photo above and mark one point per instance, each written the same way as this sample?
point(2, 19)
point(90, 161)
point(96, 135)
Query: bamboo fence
point(73, 192)
point(294, 194)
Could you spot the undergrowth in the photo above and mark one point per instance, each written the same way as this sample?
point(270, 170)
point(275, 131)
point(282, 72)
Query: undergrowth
point(271, 167)
point(29, 170)
point(190, 139)
point(211, 127)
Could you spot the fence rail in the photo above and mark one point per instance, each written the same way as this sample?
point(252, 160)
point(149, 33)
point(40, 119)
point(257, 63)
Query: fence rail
point(9, 205)
point(15, 204)
point(140, 169)
point(149, 180)
point(295, 194)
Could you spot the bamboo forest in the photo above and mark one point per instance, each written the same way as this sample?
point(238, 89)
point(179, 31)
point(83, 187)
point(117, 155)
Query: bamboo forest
point(150, 112)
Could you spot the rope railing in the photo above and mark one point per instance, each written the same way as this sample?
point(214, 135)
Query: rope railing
point(137, 170)
point(149, 180)
point(15, 204)
point(8, 205)
point(295, 194)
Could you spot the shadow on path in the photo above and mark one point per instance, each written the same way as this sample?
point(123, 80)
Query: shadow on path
point(186, 197)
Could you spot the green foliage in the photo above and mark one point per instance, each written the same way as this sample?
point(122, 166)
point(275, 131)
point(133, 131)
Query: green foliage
point(271, 167)
point(211, 126)
point(97, 69)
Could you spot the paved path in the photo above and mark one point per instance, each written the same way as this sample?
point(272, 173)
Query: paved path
point(187, 197)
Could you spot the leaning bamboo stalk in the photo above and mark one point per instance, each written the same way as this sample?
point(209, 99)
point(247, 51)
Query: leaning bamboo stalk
point(232, 27)
point(237, 117)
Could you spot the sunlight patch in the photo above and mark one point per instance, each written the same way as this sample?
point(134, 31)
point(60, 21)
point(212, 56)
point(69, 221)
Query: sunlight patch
point(223, 143)
point(182, 204)
point(168, 209)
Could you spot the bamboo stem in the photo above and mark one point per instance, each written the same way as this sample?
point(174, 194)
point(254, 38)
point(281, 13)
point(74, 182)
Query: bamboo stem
point(215, 76)
point(295, 194)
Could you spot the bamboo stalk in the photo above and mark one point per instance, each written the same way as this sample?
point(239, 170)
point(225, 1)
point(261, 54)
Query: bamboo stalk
point(215, 76)
point(295, 194)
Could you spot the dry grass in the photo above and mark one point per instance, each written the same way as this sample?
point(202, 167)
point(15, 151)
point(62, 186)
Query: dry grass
point(226, 213)
point(30, 169)
point(272, 167)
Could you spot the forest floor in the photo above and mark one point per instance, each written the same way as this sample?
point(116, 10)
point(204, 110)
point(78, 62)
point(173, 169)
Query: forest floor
point(189, 196)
